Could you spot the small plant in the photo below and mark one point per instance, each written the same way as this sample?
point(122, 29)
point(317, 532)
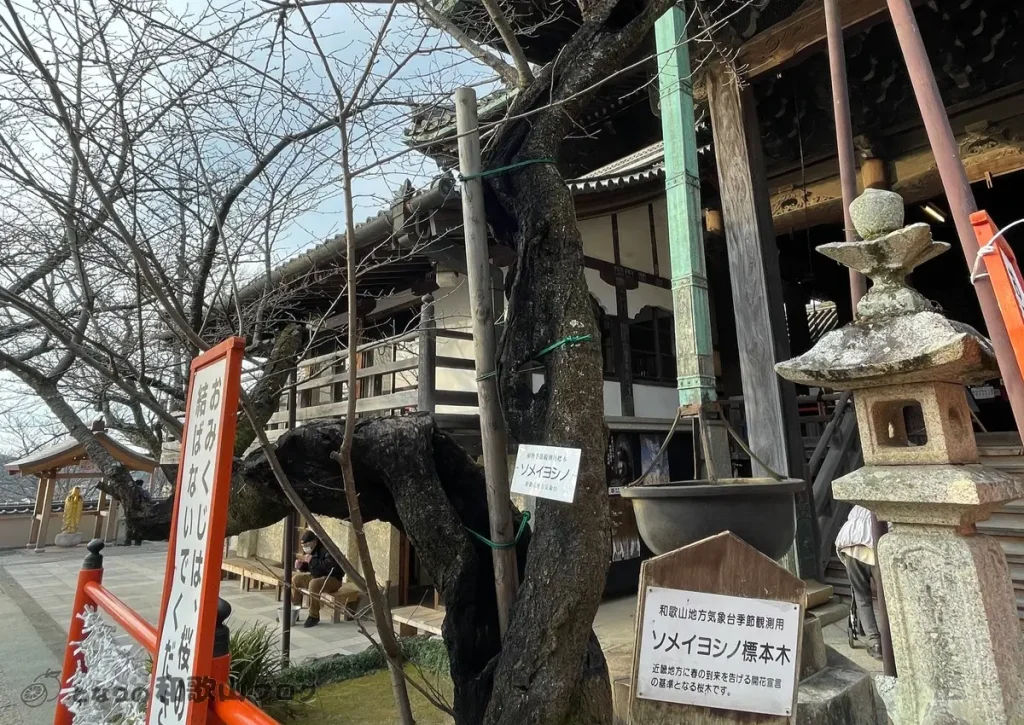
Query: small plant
point(255, 662)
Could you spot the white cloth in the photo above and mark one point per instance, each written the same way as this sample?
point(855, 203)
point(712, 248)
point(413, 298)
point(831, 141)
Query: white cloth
point(856, 531)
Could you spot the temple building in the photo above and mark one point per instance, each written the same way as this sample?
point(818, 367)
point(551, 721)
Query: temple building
point(771, 297)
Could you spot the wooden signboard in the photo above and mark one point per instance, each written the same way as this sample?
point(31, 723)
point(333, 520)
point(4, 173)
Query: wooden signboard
point(719, 628)
point(188, 611)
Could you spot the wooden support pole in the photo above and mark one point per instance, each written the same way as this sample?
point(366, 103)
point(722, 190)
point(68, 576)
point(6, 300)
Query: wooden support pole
point(844, 133)
point(492, 425)
point(958, 191)
point(772, 430)
point(848, 180)
point(288, 542)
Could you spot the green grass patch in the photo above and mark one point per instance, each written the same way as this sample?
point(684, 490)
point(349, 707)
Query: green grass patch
point(427, 653)
point(369, 700)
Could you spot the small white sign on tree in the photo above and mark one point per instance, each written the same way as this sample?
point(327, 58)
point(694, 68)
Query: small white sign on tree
point(546, 472)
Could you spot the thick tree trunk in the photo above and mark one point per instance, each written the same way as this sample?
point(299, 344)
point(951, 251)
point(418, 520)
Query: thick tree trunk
point(550, 676)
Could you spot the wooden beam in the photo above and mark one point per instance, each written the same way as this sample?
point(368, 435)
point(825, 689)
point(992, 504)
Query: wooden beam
point(385, 368)
point(803, 33)
point(402, 399)
point(914, 176)
point(772, 428)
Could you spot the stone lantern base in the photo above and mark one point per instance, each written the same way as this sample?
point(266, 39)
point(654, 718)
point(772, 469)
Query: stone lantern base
point(955, 633)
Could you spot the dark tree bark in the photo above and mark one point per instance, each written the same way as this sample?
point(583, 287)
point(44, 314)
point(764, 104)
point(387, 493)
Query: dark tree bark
point(413, 476)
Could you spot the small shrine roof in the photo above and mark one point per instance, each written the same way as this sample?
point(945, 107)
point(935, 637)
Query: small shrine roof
point(68, 452)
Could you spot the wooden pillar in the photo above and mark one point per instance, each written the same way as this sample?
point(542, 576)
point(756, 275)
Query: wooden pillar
point(770, 403)
point(97, 524)
point(772, 429)
point(48, 482)
point(110, 530)
point(624, 348)
point(873, 174)
point(427, 371)
point(37, 510)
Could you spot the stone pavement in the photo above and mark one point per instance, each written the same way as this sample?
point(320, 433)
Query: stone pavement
point(36, 594)
point(37, 590)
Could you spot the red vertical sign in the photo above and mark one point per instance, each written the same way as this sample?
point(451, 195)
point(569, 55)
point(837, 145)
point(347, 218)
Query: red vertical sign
point(188, 610)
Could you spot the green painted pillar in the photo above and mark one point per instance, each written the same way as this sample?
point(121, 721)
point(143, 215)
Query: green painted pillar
point(694, 354)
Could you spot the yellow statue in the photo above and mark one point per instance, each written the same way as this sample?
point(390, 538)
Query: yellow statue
point(73, 505)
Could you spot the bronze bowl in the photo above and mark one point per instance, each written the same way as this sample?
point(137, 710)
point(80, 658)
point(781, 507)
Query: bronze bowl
point(758, 510)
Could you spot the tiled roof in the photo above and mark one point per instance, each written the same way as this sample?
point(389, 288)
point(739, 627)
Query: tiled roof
point(639, 167)
point(24, 509)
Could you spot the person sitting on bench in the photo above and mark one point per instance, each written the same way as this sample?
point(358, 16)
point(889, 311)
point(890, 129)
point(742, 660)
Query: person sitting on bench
point(317, 573)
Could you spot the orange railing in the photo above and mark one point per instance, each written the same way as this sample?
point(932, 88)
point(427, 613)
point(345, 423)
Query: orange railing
point(227, 707)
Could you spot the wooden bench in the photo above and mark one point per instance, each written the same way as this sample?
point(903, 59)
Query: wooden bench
point(415, 619)
point(254, 570)
point(338, 602)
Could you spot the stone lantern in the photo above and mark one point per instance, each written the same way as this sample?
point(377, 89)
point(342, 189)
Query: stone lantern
point(955, 633)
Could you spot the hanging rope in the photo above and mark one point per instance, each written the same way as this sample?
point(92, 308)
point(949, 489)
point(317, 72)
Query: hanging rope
point(989, 248)
point(507, 544)
point(502, 169)
point(705, 441)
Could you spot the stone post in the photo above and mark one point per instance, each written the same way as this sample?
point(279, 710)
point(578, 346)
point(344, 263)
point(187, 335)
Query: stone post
point(955, 633)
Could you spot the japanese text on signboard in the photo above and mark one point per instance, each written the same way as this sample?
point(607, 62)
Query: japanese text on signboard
point(175, 663)
point(731, 653)
point(546, 472)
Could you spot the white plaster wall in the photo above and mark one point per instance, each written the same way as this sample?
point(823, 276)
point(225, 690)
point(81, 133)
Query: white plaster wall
point(452, 312)
point(597, 237)
point(661, 234)
point(654, 401)
point(612, 398)
point(647, 295)
point(604, 292)
point(635, 249)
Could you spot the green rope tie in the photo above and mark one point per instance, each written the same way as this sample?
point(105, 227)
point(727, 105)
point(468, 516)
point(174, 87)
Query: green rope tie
point(508, 544)
point(570, 340)
point(503, 169)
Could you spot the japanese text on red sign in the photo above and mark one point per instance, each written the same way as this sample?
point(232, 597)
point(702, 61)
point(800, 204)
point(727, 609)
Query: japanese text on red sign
point(175, 663)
